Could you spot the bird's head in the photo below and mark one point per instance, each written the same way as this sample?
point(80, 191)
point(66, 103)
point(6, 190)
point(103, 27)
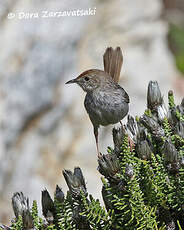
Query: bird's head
point(89, 80)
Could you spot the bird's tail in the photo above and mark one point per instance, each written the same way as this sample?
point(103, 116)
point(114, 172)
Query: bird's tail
point(113, 60)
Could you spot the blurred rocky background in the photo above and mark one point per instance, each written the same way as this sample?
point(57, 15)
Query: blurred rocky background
point(43, 125)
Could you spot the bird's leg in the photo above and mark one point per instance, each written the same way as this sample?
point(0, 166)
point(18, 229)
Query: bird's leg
point(96, 138)
point(130, 141)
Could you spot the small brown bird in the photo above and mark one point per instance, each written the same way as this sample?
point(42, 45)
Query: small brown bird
point(106, 102)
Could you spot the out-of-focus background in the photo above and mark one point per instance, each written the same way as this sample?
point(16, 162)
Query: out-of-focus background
point(43, 125)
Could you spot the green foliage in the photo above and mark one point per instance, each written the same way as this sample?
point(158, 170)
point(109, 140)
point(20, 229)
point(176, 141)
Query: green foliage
point(64, 214)
point(143, 184)
point(96, 214)
point(18, 224)
point(167, 127)
point(34, 213)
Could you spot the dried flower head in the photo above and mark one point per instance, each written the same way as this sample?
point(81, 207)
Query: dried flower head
point(143, 149)
point(154, 97)
point(161, 112)
point(48, 208)
point(132, 127)
point(171, 154)
point(108, 165)
point(153, 126)
point(118, 137)
point(21, 208)
point(181, 107)
point(20, 204)
point(59, 195)
point(75, 181)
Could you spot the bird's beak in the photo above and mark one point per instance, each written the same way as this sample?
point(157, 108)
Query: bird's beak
point(71, 81)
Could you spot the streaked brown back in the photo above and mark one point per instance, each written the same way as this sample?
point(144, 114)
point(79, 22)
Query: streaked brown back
point(113, 60)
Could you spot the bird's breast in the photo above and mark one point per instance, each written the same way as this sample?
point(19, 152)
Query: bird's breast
point(105, 108)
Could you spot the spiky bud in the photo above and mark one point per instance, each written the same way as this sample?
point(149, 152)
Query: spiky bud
point(154, 97)
point(173, 118)
point(171, 157)
point(20, 203)
point(161, 112)
point(152, 125)
point(171, 154)
point(108, 165)
point(59, 195)
point(143, 149)
point(21, 208)
point(132, 127)
point(75, 182)
point(48, 208)
point(181, 107)
point(118, 137)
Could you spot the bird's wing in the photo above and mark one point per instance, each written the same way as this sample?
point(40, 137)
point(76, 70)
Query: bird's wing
point(113, 60)
point(124, 93)
point(126, 97)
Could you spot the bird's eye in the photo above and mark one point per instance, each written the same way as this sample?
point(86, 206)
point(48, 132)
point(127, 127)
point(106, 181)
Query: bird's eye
point(86, 78)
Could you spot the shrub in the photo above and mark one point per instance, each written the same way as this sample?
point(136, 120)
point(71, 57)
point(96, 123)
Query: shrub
point(142, 183)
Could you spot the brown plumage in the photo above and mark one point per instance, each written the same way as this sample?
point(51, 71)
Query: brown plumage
point(113, 60)
point(106, 102)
